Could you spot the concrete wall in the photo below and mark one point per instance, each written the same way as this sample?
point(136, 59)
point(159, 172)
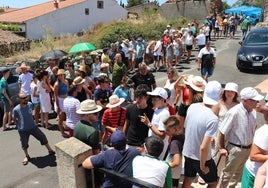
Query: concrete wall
point(190, 9)
point(72, 20)
point(265, 13)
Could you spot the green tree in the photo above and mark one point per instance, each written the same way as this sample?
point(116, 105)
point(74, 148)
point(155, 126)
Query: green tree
point(257, 3)
point(131, 3)
point(225, 5)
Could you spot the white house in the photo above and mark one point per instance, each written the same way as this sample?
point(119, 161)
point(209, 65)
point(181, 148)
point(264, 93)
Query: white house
point(63, 17)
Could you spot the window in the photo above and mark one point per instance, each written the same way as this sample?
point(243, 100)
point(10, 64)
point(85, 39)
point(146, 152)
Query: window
point(86, 11)
point(100, 4)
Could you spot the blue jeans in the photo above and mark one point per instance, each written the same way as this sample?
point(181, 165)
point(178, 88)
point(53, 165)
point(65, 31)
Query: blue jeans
point(244, 33)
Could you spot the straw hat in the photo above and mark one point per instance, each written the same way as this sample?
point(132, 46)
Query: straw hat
point(114, 101)
point(197, 83)
point(61, 71)
point(104, 65)
point(88, 107)
point(78, 80)
point(82, 68)
point(126, 41)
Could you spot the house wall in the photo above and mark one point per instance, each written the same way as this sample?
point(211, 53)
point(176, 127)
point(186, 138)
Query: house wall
point(72, 20)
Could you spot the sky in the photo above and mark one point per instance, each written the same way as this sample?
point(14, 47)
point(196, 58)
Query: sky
point(25, 3)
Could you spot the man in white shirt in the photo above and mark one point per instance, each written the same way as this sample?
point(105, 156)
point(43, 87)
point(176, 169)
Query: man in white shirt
point(237, 130)
point(201, 126)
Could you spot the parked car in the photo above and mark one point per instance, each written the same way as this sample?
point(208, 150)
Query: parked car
point(13, 87)
point(253, 53)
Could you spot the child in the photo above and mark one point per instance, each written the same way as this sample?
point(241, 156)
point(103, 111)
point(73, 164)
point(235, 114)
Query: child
point(174, 157)
point(35, 98)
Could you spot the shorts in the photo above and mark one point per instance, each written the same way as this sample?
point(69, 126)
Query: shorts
point(182, 110)
point(192, 167)
point(7, 107)
point(208, 71)
point(157, 57)
point(217, 29)
point(247, 179)
point(175, 182)
point(189, 47)
point(36, 132)
point(36, 104)
point(201, 46)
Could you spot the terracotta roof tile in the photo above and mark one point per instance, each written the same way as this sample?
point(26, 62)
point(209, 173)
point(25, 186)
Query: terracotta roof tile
point(24, 14)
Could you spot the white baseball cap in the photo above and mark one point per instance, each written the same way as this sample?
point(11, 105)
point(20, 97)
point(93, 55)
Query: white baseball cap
point(250, 93)
point(230, 86)
point(160, 92)
point(212, 93)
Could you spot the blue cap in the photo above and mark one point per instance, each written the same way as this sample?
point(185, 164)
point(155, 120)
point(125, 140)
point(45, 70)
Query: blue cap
point(118, 138)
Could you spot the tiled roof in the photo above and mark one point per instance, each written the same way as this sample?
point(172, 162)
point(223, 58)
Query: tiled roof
point(24, 14)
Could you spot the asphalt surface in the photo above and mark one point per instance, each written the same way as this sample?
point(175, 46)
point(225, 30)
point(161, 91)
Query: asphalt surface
point(41, 171)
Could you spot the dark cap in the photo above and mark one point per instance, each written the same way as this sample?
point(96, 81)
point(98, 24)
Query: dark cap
point(118, 138)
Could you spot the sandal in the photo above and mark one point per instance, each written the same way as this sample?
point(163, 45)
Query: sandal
point(26, 160)
point(7, 129)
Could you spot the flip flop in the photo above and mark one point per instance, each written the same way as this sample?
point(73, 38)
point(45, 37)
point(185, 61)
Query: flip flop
point(26, 160)
point(7, 129)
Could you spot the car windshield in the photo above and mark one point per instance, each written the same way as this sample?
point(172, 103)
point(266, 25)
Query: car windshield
point(256, 39)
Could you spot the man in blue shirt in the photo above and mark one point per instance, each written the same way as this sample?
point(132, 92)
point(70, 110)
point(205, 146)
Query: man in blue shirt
point(118, 159)
point(23, 117)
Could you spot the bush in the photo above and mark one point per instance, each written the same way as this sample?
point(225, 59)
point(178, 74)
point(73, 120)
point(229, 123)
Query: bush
point(108, 34)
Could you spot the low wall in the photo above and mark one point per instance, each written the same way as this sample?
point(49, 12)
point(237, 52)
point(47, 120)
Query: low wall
point(9, 49)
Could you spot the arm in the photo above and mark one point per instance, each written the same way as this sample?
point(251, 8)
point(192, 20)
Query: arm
point(204, 150)
point(87, 163)
point(56, 92)
point(126, 125)
point(175, 161)
point(222, 149)
point(7, 97)
point(261, 176)
point(35, 94)
point(257, 154)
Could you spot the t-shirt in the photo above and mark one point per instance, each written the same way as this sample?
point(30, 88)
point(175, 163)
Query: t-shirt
point(86, 133)
point(158, 48)
point(175, 147)
point(3, 84)
point(245, 24)
point(24, 117)
point(114, 118)
point(197, 126)
point(25, 81)
point(160, 115)
point(147, 79)
point(102, 95)
point(70, 106)
point(137, 131)
point(260, 140)
point(119, 70)
point(117, 160)
point(207, 56)
point(35, 100)
point(123, 93)
point(152, 170)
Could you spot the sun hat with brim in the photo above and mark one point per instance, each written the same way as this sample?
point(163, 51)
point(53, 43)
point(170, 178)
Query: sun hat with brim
point(61, 71)
point(126, 41)
point(197, 83)
point(230, 86)
point(118, 138)
point(88, 107)
point(82, 68)
point(212, 93)
point(114, 101)
point(78, 80)
point(22, 66)
point(159, 92)
point(250, 93)
point(104, 65)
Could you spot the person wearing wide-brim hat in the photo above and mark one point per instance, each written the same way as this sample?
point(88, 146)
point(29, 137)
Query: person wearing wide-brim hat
point(114, 117)
point(84, 130)
point(22, 68)
point(60, 93)
point(89, 84)
point(191, 89)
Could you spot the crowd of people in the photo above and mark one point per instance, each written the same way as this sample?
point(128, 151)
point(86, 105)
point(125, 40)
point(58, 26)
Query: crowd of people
point(112, 102)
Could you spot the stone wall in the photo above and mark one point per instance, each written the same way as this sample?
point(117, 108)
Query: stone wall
point(9, 49)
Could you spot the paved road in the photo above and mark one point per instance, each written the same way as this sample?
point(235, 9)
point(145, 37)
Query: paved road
point(41, 172)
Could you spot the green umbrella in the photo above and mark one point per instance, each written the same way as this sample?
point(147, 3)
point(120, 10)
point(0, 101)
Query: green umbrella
point(82, 47)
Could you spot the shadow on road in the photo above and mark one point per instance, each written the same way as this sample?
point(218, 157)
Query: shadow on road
point(44, 161)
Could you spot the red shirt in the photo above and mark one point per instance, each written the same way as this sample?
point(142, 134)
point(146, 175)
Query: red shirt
point(114, 118)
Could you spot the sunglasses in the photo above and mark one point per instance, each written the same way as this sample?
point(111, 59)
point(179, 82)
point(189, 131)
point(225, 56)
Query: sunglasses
point(23, 97)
